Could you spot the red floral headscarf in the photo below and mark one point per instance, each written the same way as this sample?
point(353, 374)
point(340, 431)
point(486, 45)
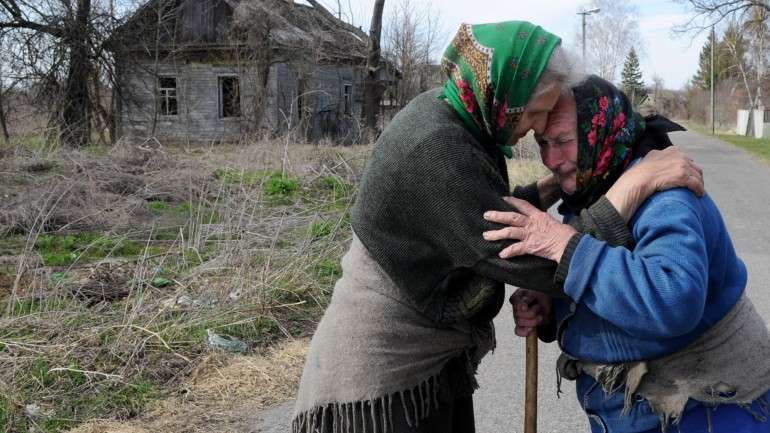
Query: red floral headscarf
point(608, 130)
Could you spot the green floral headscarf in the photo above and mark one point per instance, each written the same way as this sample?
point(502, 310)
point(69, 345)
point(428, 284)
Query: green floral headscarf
point(493, 70)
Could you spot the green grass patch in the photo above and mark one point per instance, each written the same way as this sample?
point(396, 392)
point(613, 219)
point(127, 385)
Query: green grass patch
point(335, 191)
point(158, 207)
point(328, 269)
point(165, 233)
point(63, 250)
point(275, 184)
point(60, 385)
point(338, 187)
point(322, 229)
point(243, 177)
point(198, 213)
point(756, 146)
point(8, 416)
point(23, 307)
point(189, 258)
point(126, 400)
point(60, 393)
point(37, 142)
point(278, 185)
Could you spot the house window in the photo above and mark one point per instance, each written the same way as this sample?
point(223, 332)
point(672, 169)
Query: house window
point(300, 106)
point(229, 97)
point(347, 98)
point(168, 98)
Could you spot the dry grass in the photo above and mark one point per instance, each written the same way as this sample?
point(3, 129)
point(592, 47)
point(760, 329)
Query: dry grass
point(524, 171)
point(116, 263)
point(222, 394)
point(526, 166)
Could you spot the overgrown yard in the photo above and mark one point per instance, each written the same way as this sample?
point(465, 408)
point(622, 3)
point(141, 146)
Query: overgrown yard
point(121, 269)
point(170, 287)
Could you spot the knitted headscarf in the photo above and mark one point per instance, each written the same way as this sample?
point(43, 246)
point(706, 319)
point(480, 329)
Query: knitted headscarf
point(493, 70)
point(610, 135)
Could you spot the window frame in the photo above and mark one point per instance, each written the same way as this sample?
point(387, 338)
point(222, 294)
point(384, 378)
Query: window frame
point(347, 98)
point(221, 90)
point(167, 94)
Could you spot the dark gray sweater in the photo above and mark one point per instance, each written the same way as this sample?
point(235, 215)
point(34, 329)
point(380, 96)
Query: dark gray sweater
point(419, 213)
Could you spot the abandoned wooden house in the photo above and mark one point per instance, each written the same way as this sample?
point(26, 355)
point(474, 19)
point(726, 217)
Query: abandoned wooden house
point(219, 70)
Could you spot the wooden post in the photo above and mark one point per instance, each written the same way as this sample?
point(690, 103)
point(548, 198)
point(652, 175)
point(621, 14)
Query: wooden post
point(530, 393)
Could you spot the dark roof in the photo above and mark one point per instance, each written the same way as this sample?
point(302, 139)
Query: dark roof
point(302, 29)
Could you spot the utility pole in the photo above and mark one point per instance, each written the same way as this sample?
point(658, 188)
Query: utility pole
point(583, 16)
point(713, 42)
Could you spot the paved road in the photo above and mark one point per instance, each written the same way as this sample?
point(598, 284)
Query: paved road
point(740, 186)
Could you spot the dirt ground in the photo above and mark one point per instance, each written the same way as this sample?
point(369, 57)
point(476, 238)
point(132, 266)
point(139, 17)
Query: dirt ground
point(221, 396)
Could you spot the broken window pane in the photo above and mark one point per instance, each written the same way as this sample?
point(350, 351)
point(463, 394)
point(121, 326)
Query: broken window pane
point(230, 97)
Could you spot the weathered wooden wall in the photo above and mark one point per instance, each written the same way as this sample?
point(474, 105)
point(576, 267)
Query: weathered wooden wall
point(326, 101)
point(198, 101)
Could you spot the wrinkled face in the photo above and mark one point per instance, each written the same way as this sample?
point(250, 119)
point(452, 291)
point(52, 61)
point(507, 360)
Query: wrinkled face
point(535, 116)
point(559, 143)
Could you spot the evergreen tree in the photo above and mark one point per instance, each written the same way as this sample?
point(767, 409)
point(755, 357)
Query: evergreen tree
point(702, 78)
point(730, 50)
point(632, 83)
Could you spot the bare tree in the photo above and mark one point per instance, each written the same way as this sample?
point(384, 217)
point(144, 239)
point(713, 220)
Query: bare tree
point(411, 42)
point(756, 29)
point(734, 43)
point(706, 13)
point(373, 88)
point(62, 44)
point(610, 35)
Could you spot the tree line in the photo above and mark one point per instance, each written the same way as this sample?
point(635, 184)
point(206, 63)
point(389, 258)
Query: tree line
point(739, 36)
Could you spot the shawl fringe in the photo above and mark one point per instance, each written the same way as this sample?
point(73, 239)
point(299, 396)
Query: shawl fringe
point(375, 414)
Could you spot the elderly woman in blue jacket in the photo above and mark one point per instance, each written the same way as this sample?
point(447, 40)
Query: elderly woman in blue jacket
point(657, 332)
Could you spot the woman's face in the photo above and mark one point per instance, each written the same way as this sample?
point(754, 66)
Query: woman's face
point(558, 143)
point(535, 115)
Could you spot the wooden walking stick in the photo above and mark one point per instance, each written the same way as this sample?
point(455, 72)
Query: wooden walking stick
point(530, 393)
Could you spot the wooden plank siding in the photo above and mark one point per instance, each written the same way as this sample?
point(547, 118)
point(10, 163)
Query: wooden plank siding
point(198, 102)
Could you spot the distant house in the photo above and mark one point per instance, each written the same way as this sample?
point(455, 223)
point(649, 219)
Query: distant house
point(222, 69)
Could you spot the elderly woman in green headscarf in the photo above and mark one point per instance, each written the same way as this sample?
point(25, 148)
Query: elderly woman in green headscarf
point(411, 316)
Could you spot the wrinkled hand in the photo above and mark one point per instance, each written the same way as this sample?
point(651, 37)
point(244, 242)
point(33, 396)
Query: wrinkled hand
point(539, 233)
point(530, 309)
point(659, 170)
point(670, 168)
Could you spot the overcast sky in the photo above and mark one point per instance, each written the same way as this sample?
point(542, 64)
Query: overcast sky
point(675, 58)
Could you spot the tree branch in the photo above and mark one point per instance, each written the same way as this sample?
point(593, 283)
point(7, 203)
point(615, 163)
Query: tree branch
point(51, 30)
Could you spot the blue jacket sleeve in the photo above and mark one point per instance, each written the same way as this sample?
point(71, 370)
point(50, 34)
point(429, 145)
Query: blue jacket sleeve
point(656, 290)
